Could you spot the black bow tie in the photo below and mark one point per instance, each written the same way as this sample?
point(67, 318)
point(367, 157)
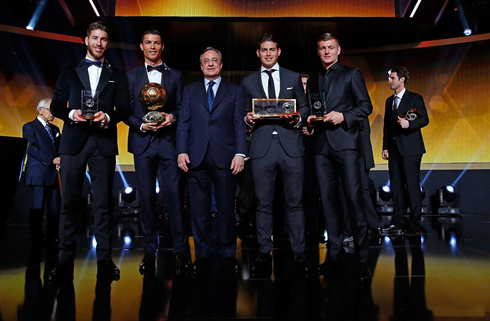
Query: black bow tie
point(158, 68)
point(89, 63)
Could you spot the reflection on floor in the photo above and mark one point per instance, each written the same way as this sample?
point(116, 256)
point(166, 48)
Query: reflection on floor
point(441, 275)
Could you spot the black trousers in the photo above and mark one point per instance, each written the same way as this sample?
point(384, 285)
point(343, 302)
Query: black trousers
point(331, 166)
point(201, 181)
point(101, 170)
point(405, 176)
point(160, 157)
point(265, 171)
point(44, 197)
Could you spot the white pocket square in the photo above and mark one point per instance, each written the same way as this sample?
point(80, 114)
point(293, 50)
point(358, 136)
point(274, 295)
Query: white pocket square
point(57, 134)
point(111, 80)
point(289, 88)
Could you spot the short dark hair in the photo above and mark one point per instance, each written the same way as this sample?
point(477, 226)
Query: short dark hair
point(267, 37)
point(326, 37)
point(305, 75)
point(151, 32)
point(208, 49)
point(401, 72)
point(97, 25)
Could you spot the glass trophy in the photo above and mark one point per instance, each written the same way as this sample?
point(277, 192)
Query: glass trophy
point(318, 107)
point(90, 104)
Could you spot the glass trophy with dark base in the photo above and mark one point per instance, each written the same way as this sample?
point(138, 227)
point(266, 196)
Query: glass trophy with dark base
point(90, 104)
point(318, 107)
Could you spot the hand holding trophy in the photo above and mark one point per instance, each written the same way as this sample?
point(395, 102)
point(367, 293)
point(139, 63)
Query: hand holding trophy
point(153, 97)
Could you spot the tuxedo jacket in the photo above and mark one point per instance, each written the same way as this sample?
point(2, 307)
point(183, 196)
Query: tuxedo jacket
point(40, 169)
point(220, 132)
point(172, 81)
point(290, 137)
point(367, 148)
point(113, 100)
point(408, 141)
point(348, 95)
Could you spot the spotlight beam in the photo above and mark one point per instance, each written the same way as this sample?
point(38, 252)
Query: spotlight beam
point(415, 8)
point(37, 14)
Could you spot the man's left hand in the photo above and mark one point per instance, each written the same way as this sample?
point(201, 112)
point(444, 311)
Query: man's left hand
point(100, 119)
point(290, 119)
point(334, 117)
point(237, 164)
point(403, 123)
point(168, 120)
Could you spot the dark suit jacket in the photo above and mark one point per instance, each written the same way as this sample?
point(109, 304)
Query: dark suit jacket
point(137, 78)
point(347, 94)
point(290, 137)
point(408, 141)
point(40, 169)
point(367, 148)
point(221, 132)
point(113, 100)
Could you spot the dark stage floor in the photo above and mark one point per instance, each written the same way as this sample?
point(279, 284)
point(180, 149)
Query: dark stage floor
point(441, 275)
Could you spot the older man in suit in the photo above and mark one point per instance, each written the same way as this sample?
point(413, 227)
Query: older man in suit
point(43, 163)
point(276, 146)
point(338, 150)
point(211, 147)
point(153, 147)
point(403, 147)
point(92, 142)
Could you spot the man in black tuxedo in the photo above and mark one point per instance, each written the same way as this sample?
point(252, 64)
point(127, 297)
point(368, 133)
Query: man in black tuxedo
point(92, 142)
point(153, 147)
point(43, 163)
point(276, 146)
point(338, 149)
point(211, 147)
point(403, 147)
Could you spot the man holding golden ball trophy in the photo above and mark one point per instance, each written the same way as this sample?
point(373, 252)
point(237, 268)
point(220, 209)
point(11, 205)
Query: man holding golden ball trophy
point(155, 100)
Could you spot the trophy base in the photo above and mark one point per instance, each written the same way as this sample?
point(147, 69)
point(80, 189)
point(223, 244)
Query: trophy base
point(318, 119)
point(275, 115)
point(153, 117)
point(88, 117)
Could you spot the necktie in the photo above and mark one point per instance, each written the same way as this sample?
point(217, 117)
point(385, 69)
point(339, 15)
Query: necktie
point(210, 95)
point(49, 133)
point(157, 68)
point(326, 82)
point(395, 106)
point(89, 63)
point(272, 89)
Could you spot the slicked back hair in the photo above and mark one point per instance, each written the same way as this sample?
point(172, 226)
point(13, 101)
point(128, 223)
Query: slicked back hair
point(267, 37)
point(97, 25)
point(151, 32)
point(401, 72)
point(208, 49)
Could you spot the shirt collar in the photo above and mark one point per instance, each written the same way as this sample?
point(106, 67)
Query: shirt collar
point(217, 81)
point(401, 93)
point(275, 67)
point(42, 121)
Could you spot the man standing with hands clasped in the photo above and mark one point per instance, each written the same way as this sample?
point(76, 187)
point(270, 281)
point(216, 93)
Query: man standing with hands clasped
point(92, 143)
point(211, 147)
point(403, 147)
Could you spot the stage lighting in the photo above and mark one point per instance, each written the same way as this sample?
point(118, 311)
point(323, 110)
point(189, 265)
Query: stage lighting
point(467, 32)
point(384, 199)
point(448, 197)
point(129, 203)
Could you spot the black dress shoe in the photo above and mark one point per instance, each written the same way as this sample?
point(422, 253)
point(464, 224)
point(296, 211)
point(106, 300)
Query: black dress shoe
point(229, 264)
point(201, 265)
point(301, 264)
point(107, 269)
point(365, 275)
point(183, 261)
point(147, 264)
point(262, 264)
point(332, 264)
point(63, 271)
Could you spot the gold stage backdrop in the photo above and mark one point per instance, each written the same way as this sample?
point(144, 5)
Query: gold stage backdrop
point(452, 79)
point(256, 8)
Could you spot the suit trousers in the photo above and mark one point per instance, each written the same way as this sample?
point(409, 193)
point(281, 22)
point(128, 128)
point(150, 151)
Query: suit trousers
point(160, 157)
point(101, 170)
point(201, 181)
point(41, 197)
point(405, 176)
point(332, 165)
point(265, 171)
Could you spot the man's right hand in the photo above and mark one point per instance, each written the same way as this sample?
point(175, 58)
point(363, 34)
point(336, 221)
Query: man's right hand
point(150, 127)
point(250, 119)
point(311, 121)
point(77, 117)
point(56, 160)
point(385, 154)
point(182, 161)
